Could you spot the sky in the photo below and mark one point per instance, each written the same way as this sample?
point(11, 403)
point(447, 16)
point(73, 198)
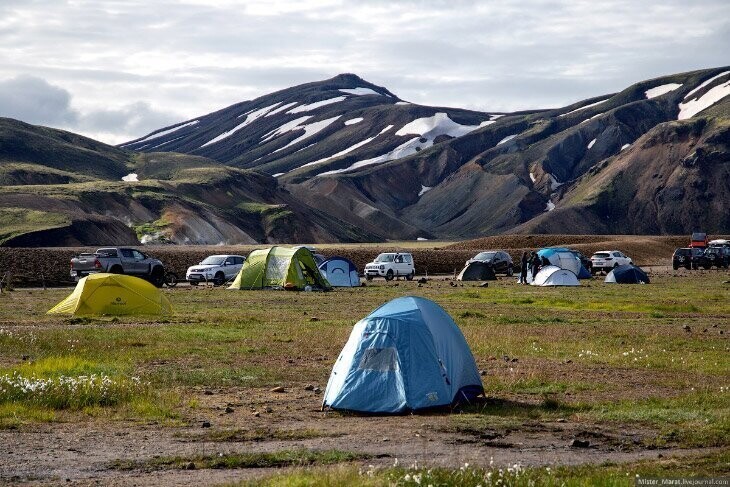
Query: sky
point(115, 70)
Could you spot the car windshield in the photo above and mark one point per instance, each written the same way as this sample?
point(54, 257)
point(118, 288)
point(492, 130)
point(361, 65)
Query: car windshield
point(487, 256)
point(214, 260)
point(385, 258)
point(601, 255)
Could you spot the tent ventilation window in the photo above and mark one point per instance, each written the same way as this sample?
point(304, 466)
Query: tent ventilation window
point(380, 359)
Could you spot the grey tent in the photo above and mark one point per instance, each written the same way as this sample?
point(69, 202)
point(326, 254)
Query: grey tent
point(477, 271)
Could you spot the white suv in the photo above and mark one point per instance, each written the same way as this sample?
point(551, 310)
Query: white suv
point(605, 260)
point(391, 265)
point(216, 269)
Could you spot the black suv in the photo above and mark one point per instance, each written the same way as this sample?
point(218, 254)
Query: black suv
point(717, 256)
point(689, 258)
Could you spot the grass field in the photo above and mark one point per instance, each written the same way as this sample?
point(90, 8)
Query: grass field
point(641, 372)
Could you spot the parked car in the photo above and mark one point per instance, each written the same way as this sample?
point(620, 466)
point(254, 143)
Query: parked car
point(391, 265)
point(689, 258)
point(215, 268)
point(606, 260)
point(118, 260)
point(500, 261)
point(717, 257)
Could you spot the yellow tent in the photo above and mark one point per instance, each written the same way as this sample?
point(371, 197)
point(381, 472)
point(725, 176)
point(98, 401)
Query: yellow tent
point(113, 294)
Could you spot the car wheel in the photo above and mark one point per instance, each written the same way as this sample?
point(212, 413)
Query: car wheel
point(615, 265)
point(389, 275)
point(510, 271)
point(157, 277)
point(368, 278)
point(171, 279)
point(116, 269)
point(193, 283)
point(219, 279)
point(675, 266)
point(411, 275)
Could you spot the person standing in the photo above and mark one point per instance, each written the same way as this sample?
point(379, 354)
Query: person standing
point(534, 264)
point(523, 268)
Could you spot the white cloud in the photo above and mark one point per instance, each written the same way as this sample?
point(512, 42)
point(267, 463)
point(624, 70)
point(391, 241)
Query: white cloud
point(174, 61)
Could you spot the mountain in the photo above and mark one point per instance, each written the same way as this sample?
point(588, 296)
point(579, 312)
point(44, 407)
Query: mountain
point(61, 189)
point(346, 160)
point(404, 171)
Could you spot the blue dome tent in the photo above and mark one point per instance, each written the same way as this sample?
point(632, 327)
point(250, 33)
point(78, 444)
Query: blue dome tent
point(406, 355)
point(340, 272)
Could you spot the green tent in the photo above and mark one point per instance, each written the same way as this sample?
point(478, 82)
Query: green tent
point(280, 267)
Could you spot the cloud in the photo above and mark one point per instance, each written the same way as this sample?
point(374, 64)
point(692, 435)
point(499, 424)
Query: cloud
point(34, 100)
point(126, 66)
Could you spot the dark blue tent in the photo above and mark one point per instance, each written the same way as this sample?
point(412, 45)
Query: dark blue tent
point(627, 274)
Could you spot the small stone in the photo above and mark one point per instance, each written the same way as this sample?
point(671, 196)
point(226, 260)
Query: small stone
point(568, 361)
point(313, 318)
point(514, 360)
point(484, 284)
point(560, 420)
point(190, 466)
point(278, 389)
point(482, 372)
point(576, 443)
point(396, 284)
point(309, 387)
point(208, 392)
point(229, 409)
point(256, 414)
point(687, 328)
point(25, 357)
point(704, 331)
point(317, 390)
point(715, 325)
point(206, 424)
point(267, 409)
point(305, 313)
point(722, 332)
point(505, 358)
point(386, 439)
point(660, 455)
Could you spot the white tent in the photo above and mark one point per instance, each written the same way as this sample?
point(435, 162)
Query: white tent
point(565, 260)
point(555, 276)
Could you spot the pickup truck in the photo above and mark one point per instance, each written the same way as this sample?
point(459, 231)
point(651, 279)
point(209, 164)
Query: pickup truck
point(118, 260)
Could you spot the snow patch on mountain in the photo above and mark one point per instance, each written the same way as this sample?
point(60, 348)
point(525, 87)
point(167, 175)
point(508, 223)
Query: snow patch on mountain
point(277, 174)
point(584, 107)
point(405, 149)
point(495, 116)
point(385, 129)
point(532, 178)
point(281, 108)
point(432, 127)
point(591, 143)
point(554, 184)
point(360, 91)
point(290, 125)
point(130, 178)
point(309, 130)
point(696, 105)
point(625, 146)
point(424, 189)
point(342, 152)
point(507, 139)
point(705, 83)
point(317, 104)
point(354, 121)
point(250, 118)
point(550, 206)
point(164, 132)
point(661, 90)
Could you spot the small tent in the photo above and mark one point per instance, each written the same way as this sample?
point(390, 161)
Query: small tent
point(627, 274)
point(340, 272)
point(555, 276)
point(280, 268)
point(476, 271)
point(113, 294)
point(406, 355)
